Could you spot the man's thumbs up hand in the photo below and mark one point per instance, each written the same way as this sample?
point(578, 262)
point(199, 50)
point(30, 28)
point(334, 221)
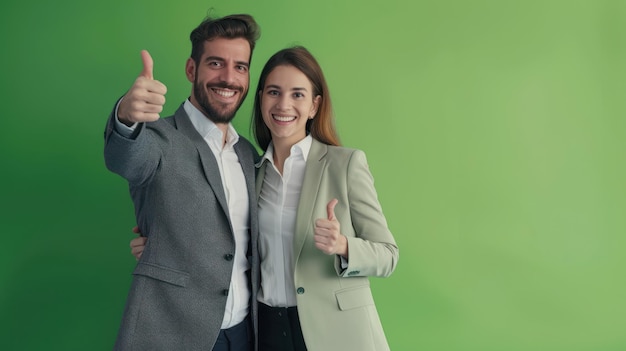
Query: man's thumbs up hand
point(145, 99)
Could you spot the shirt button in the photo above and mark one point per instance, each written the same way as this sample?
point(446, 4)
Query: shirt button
point(225, 292)
point(228, 257)
point(300, 291)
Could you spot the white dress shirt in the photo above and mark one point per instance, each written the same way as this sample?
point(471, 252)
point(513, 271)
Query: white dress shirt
point(278, 205)
point(234, 182)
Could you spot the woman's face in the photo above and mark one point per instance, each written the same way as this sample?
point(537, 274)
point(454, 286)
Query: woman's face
point(287, 103)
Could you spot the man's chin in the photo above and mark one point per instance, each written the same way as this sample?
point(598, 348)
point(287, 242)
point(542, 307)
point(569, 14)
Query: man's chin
point(219, 115)
point(222, 117)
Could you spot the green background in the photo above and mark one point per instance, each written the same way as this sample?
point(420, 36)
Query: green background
point(494, 130)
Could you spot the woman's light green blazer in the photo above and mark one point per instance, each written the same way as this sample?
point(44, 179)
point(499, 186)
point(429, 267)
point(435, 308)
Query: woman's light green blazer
point(335, 304)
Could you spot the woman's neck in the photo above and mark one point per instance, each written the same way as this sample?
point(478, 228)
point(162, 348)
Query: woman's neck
point(280, 153)
point(282, 150)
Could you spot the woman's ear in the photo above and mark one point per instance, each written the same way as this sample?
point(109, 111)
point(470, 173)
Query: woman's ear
point(316, 104)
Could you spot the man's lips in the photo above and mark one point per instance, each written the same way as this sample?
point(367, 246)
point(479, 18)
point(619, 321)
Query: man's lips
point(227, 93)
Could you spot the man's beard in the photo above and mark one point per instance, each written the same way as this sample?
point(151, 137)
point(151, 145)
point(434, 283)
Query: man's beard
point(214, 113)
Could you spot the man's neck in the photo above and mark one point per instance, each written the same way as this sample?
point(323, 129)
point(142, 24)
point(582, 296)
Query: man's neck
point(224, 128)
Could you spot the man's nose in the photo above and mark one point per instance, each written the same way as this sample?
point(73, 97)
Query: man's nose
point(227, 75)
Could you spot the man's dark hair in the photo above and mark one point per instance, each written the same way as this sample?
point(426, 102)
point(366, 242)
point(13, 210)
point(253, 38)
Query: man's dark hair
point(230, 27)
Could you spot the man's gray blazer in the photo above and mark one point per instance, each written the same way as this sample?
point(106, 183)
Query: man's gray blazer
point(180, 285)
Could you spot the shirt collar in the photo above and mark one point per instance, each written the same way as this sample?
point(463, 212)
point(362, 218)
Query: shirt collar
point(300, 149)
point(207, 128)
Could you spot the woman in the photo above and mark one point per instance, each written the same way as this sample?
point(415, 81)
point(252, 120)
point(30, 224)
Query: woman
point(322, 230)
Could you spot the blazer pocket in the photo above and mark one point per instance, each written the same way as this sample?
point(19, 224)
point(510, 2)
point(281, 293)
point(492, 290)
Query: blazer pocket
point(354, 297)
point(161, 273)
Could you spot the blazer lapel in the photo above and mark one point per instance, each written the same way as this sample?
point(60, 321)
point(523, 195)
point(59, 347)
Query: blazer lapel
point(246, 161)
point(260, 175)
point(315, 167)
point(209, 164)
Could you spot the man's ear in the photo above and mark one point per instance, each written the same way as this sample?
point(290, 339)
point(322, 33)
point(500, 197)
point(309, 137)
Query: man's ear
point(190, 70)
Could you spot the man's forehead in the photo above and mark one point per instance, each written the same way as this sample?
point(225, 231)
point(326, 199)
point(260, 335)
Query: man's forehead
point(237, 49)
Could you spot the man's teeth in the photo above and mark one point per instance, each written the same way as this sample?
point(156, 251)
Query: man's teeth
point(224, 93)
point(284, 118)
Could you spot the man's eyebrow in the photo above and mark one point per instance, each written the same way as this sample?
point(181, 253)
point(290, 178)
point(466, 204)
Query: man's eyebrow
point(243, 63)
point(214, 58)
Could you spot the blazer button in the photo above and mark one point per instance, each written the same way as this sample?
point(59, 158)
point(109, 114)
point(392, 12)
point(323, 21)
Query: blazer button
point(228, 257)
point(300, 290)
point(225, 292)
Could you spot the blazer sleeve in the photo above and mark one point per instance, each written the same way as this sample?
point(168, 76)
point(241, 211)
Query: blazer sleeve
point(373, 250)
point(136, 158)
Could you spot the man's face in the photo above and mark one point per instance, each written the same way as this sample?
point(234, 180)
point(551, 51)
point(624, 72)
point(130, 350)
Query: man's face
point(221, 78)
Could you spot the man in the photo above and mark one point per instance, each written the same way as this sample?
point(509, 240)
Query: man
point(191, 178)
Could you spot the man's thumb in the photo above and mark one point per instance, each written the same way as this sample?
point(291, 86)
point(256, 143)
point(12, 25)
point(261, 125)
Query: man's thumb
point(148, 65)
point(330, 209)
